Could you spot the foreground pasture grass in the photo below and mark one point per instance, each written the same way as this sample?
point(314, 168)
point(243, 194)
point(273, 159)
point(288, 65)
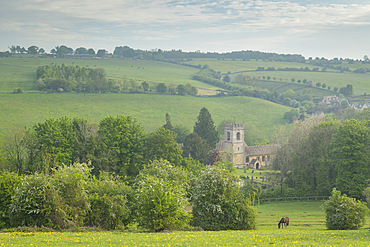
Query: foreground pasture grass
point(307, 228)
point(282, 237)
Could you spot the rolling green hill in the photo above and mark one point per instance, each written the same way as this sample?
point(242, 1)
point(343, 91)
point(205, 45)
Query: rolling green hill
point(332, 78)
point(262, 117)
point(20, 71)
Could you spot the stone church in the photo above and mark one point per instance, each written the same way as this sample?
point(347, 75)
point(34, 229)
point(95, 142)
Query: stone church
point(234, 148)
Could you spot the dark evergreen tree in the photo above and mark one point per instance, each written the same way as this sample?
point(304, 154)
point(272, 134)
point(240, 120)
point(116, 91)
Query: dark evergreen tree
point(206, 128)
point(196, 147)
point(168, 125)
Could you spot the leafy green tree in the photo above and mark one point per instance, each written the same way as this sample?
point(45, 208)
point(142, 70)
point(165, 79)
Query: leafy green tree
point(12, 49)
point(91, 51)
point(181, 90)
point(313, 172)
point(165, 170)
point(121, 142)
point(160, 204)
point(161, 88)
point(289, 94)
point(62, 140)
point(16, 150)
point(206, 128)
point(168, 125)
point(181, 133)
point(101, 53)
point(190, 90)
point(62, 50)
point(344, 213)
point(33, 50)
point(346, 91)
point(161, 144)
point(56, 138)
point(81, 50)
point(351, 157)
point(218, 203)
point(291, 115)
point(196, 147)
point(145, 86)
point(226, 78)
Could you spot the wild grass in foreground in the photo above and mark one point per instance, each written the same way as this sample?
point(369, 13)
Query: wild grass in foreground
point(282, 237)
point(307, 228)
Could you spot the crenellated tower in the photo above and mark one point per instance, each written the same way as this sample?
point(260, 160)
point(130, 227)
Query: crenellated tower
point(234, 142)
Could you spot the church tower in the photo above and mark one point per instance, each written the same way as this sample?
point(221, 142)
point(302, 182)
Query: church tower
point(234, 142)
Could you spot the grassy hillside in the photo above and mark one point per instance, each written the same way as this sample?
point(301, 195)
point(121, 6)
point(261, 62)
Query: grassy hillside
point(332, 78)
point(262, 118)
point(21, 71)
point(360, 82)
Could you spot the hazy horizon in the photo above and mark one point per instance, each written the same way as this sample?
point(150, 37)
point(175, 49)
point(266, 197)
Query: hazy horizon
point(335, 28)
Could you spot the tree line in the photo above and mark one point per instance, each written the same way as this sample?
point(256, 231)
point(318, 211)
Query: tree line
point(116, 144)
point(322, 153)
point(65, 173)
point(62, 78)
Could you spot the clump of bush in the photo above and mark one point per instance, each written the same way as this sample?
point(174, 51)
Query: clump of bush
point(160, 197)
point(344, 213)
point(218, 203)
point(108, 202)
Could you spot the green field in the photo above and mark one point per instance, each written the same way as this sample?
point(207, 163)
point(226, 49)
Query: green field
point(307, 228)
point(21, 71)
point(360, 82)
point(332, 78)
point(227, 65)
point(261, 117)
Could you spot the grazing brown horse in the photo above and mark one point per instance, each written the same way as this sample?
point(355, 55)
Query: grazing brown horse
point(284, 220)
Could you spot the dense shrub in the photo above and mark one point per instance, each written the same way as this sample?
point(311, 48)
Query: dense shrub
point(29, 207)
point(58, 200)
point(71, 182)
point(108, 202)
point(160, 204)
point(8, 183)
point(344, 213)
point(218, 202)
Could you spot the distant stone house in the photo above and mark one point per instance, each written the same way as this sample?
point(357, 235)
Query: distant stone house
point(332, 100)
point(359, 106)
point(234, 148)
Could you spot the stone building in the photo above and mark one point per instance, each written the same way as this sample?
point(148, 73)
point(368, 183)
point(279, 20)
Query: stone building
point(234, 149)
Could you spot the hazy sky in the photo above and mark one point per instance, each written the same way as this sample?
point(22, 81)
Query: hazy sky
point(323, 28)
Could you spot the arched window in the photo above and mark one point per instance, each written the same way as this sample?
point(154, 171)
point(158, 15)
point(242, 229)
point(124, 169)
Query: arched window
point(228, 136)
point(238, 136)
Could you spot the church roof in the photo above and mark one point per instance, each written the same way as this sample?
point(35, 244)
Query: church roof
point(261, 150)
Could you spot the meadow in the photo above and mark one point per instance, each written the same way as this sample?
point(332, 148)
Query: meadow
point(332, 78)
point(262, 118)
point(20, 71)
point(307, 228)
